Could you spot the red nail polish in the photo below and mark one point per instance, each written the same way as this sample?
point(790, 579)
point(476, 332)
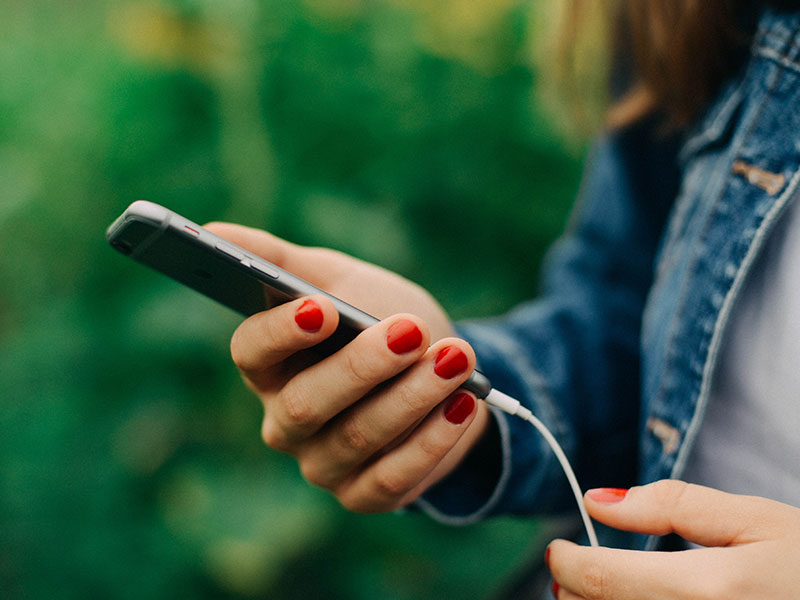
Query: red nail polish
point(607, 495)
point(555, 589)
point(309, 316)
point(404, 336)
point(547, 558)
point(450, 362)
point(458, 408)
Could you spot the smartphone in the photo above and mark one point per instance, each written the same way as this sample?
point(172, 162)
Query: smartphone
point(167, 242)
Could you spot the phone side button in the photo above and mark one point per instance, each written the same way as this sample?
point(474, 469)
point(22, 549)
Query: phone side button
point(267, 270)
point(232, 252)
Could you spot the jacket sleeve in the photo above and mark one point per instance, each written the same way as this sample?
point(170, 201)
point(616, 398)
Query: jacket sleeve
point(572, 355)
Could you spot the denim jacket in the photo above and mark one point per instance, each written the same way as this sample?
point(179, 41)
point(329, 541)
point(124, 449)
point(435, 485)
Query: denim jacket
point(618, 354)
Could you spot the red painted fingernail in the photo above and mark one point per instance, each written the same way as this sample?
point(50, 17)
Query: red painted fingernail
point(458, 408)
point(607, 495)
point(547, 558)
point(309, 316)
point(555, 589)
point(450, 362)
point(404, 336)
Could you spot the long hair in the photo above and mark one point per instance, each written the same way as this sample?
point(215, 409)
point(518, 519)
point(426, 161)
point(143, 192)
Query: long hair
point(661, 56)
point(682, 51)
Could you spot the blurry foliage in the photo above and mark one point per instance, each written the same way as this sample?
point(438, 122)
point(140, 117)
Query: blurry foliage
point(403, 131)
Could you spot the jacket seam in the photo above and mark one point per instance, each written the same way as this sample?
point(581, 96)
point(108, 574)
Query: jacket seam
point(691, 430)
point(778, 57)
point(693, 259)
point(690, 433)
point(711, 363)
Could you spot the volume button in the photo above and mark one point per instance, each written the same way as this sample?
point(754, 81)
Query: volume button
point(232, 252)
point(266, 269)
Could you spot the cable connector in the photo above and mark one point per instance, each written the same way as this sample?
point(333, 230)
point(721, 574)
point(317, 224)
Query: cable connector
point(507, 404)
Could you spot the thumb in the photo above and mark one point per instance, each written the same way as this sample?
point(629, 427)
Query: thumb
point(291, 257)
point(698, 514)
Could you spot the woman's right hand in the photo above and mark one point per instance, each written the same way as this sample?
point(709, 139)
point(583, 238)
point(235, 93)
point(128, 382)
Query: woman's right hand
point(379, 421)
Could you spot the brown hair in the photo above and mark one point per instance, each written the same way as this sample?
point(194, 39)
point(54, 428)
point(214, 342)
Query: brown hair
point(670, 56)
point(682, 51)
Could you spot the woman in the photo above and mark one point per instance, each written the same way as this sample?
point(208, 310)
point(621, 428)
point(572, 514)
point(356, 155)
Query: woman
point(664, 344)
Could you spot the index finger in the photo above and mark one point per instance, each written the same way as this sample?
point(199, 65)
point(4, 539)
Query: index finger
point(698, 514)
point(270, 337)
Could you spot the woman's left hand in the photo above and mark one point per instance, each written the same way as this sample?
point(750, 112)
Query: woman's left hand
point(752, 547)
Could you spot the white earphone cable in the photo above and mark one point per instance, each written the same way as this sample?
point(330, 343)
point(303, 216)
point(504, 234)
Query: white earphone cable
point(513, 407)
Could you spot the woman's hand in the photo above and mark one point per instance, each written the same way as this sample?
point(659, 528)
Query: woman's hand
point(753, 547)
point(378, 421)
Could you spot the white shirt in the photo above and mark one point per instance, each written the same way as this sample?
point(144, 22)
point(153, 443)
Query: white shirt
point(749, 442)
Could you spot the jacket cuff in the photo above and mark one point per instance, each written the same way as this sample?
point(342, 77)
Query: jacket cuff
point(472, 492)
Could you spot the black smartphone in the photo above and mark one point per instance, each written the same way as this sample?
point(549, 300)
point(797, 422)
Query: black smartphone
point(167, 242)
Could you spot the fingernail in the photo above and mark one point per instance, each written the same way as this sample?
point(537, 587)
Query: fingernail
point(450, 361)
point(547, 558)
point(555, 589)
point(309, 316)
point(458, 408)
point(607, 495)
point(404, 336)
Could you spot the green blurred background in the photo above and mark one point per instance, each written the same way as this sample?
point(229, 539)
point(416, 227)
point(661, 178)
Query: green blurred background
point(405, 132)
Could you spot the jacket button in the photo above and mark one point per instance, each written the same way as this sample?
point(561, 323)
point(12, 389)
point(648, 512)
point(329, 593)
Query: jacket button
point(668, 435)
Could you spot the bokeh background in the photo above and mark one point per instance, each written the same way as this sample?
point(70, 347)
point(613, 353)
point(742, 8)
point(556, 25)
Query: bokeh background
point(406, 132)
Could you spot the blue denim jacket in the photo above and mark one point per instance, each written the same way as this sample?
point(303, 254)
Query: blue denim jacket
point(618, 353)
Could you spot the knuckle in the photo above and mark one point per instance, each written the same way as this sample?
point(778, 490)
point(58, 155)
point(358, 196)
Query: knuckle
point(593, 581)
point(669, 491)
point(355, 504)
point(360, 370)
point(353, 499)
point(415, 403)
point(249, 342)
point(391, 484)
point(679, 492)
point(312, 473)
point(298, 411)
point(433, 449)
point(273, 436)
point(353, 437)
point(672, 502)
